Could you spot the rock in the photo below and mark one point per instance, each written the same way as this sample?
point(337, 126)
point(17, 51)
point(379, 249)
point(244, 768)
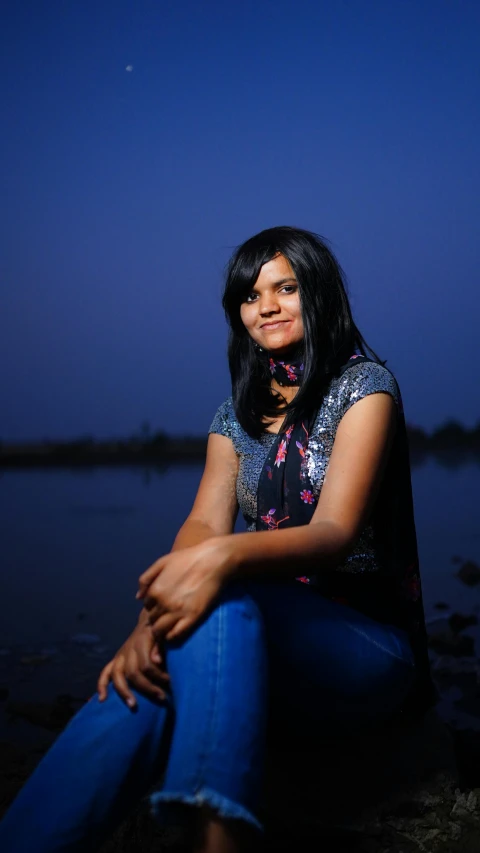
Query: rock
point(469, 573)
point(458, 622)
point(390, 790)
point(397, 791)
point(467, 750)
point(449, 643)
point(449, 666)
point(455, 831)
point(469, 703)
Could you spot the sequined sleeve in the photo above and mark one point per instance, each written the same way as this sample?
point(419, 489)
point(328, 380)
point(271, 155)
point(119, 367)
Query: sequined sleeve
point(363, 379)
point(223, 421)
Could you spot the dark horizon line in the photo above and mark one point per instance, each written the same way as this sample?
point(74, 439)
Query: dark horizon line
point(450, 430)
point(450, 444)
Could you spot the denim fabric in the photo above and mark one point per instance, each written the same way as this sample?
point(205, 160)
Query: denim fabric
point(266, 653)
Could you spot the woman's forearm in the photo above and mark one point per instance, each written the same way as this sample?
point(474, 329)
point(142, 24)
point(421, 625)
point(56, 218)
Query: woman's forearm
point(318, 546)
point(192, 532)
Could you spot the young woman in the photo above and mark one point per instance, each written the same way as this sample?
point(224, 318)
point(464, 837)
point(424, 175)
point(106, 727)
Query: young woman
point(316, 620)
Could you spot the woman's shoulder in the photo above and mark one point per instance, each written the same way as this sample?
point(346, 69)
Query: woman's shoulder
point(362, 376)
point(224, 419)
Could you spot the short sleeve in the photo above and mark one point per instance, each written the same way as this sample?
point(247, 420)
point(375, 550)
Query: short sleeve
point(223, 421)
point(363, 379)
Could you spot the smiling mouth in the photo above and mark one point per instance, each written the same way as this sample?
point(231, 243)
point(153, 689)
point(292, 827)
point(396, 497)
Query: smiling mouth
point(274, 325)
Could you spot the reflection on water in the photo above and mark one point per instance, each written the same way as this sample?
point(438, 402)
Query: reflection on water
point(75, 542)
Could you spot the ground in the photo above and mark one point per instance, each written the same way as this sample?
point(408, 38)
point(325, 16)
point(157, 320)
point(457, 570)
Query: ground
point(411, 789)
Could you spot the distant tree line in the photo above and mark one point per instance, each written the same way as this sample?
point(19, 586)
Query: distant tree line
point(450, 435)
point(448, 441)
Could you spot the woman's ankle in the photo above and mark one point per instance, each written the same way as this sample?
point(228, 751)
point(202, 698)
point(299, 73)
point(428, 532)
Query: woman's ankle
point(218, 835)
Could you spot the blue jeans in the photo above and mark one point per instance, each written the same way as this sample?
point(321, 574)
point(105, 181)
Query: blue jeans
point(267, 651)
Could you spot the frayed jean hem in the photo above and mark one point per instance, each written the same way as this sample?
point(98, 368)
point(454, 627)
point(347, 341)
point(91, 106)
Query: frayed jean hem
point(160, 801)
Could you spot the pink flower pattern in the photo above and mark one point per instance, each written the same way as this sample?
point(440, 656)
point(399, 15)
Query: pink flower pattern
point(270, 521)
point(289, 368)
point(283, 446)
point(290, 371)
point(281, 453)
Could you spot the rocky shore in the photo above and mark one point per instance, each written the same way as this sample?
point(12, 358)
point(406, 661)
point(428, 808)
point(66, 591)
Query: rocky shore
point(412, 788)
point(324, 796)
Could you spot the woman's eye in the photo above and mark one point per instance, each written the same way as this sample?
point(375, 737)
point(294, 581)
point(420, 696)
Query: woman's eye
point(286, 288)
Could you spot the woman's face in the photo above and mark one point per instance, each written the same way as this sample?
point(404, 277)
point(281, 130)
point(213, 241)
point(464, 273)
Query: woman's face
point(271, 311)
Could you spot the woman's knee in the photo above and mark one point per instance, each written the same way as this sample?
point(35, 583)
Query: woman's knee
point(242, 597)
point(113, 712)
point(235, 605)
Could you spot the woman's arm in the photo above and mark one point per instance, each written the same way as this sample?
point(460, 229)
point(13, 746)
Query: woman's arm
point(357, 463)
point(138, 663)
point(215, 508)
point(179, 588)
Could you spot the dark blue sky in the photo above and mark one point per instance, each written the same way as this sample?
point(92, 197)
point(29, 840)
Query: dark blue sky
point(123, 193)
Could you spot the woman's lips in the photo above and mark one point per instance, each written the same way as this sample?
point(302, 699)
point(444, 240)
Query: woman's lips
point(272, 326)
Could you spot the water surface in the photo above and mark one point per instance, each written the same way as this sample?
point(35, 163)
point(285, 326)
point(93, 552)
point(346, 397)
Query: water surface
point(73, 543)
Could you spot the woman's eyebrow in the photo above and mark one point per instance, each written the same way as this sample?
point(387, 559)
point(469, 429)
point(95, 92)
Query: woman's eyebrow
point(284, 280)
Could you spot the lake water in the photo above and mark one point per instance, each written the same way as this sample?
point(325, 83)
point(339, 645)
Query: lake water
point(73, 543)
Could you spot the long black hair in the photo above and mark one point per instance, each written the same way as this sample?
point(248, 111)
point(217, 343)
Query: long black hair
point(330, 335)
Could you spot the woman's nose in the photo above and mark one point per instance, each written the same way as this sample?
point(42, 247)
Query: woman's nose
point(268, 303)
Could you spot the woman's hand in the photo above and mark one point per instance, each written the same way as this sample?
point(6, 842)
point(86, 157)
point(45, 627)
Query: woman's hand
point(179, 588)
point(137, 663)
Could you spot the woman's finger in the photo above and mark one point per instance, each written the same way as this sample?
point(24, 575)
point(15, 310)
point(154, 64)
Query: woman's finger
point(165, 623)
point(121, 686)
point(155, 674)
point(103, 681)
point(147, 687)
point(149, 603)
point(148, 577)
point(182, 626)
point(156, 655)
point(139, 662)
point(148, 667)
point(155, 610)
